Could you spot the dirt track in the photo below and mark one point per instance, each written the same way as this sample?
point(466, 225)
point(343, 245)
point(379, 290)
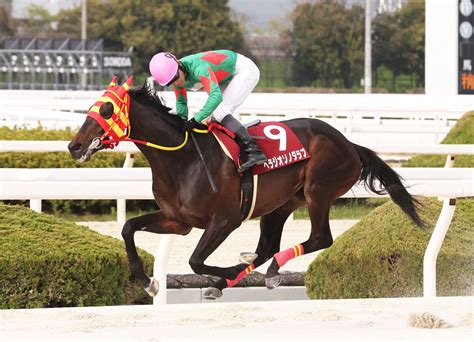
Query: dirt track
point(307, 320)
point(244, 239)
point(304, 320)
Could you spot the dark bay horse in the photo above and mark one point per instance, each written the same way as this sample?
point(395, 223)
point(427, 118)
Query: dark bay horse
point(181, 188)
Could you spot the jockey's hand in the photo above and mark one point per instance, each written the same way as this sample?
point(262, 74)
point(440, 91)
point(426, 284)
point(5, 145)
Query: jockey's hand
point(190, 124)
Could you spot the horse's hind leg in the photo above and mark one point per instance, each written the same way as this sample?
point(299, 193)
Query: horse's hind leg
point(320, 237)
point(331, 172)
point(271, 228)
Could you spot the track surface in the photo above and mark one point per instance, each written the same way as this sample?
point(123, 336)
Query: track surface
point(243, 239)
point(317, 320)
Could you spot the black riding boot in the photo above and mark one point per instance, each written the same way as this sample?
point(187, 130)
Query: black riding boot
point(255, 156)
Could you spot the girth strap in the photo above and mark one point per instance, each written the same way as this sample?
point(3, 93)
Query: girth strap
point(247, 194)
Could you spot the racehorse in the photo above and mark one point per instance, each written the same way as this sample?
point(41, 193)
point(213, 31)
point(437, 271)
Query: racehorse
point(181, 189)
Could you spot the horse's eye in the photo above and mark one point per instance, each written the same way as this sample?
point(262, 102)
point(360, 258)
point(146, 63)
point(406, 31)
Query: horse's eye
point(106, 110)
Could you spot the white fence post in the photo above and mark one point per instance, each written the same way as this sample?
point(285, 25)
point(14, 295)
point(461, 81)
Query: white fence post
point(121, 203)
point(436, 240)
point(160, 265)
point(35, 205)
point(449, 161)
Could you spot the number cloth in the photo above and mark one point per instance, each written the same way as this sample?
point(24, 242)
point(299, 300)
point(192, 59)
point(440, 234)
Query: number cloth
point(276, 140)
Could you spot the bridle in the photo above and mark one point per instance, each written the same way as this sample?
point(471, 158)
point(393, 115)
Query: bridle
point(117, 128)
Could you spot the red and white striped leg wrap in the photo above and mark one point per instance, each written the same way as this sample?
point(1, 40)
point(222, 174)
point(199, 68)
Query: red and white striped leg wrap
point(243, 274)
point(284, 256)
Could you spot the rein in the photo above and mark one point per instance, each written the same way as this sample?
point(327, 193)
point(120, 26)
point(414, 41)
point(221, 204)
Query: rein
point(123, 117)
point(211, 126)
point(117, 128)
point(114, 142)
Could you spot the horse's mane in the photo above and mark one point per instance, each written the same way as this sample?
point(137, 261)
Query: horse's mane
point(150, 99)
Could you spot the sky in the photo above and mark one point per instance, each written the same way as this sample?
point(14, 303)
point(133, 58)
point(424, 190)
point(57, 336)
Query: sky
point(259, 12)
point(256, 13)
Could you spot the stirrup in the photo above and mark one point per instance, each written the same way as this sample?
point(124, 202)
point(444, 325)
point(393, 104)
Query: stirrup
point(257, 155)
point(251, 162)
point(242, 168)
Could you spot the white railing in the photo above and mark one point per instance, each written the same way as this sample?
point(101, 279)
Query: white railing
point(55, 146)
point(362, 117)
point(135, 183)
point(414, 106)
point(61, 146)
point(126, 147)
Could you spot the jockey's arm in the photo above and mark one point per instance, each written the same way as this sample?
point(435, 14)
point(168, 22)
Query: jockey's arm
point(211, 85)
point(181, 102)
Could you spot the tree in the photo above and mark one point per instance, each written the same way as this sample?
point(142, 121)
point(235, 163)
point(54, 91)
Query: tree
point(6, 26)
point(40, 21)
point(181, 26)
point(329, 45)
point(399, 40)
point(351, 49)
point(413, 23)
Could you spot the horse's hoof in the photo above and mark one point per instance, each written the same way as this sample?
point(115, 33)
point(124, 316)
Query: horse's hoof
point(247, 258)
point(153, 288)
point(212, 293)
point(273, 282)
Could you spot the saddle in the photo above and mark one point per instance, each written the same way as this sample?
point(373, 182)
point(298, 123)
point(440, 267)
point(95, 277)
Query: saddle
point(276, 140)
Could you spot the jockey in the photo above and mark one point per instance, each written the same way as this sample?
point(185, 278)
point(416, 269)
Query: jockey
point(226, 76)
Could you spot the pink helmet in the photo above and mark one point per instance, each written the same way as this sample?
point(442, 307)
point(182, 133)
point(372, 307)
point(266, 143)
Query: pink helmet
point(163, 67)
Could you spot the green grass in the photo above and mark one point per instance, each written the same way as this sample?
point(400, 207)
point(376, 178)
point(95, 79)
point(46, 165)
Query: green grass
point(347, 208)
point(276, 74)
point(102, 218)
point(383, 79)
point(351, 208)
point(343, 209)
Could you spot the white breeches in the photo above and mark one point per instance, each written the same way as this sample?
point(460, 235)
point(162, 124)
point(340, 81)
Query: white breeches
point(239, 87)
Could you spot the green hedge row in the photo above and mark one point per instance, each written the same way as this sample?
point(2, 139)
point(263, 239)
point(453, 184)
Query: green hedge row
point(64, 160)
point(382, 256)
point(49, 262)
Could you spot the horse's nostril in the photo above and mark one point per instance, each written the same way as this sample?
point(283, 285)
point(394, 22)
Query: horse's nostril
point(74, 147)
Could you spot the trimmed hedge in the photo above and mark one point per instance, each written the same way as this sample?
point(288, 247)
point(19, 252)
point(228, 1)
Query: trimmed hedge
point(461, 133)
point(63, 159)
point(382, 256)
point(50, 262)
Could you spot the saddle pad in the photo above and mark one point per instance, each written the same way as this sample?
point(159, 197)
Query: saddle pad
point(281, 146)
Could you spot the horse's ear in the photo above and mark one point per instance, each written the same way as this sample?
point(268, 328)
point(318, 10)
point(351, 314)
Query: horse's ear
point(125, 87)
point(112, 83)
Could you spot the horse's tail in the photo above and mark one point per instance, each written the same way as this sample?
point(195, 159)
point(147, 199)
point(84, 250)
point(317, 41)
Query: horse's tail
point(374, 168)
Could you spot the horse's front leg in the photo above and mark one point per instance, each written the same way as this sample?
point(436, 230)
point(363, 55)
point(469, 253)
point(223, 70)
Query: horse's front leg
point(154, 223)
point(214, 234)
point(271, 228)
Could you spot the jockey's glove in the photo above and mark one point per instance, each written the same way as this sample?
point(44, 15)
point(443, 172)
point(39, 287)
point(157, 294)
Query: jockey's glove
point(190, 124)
